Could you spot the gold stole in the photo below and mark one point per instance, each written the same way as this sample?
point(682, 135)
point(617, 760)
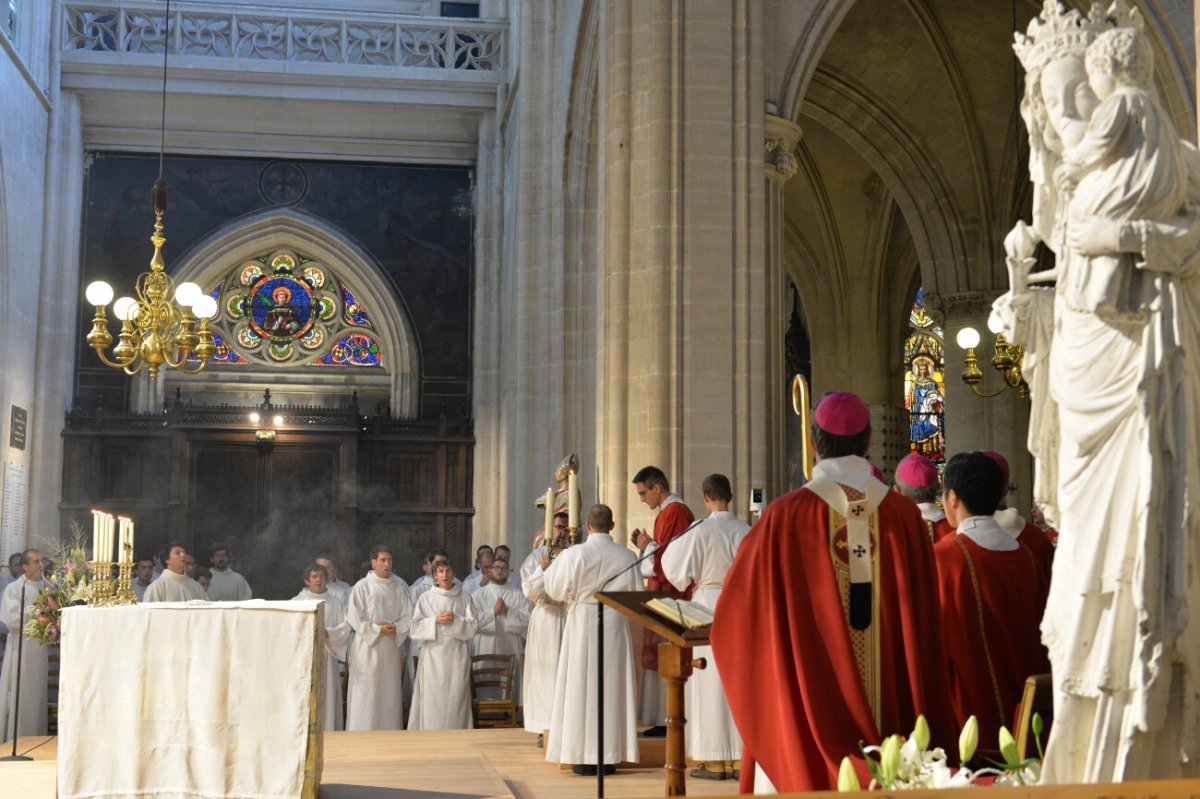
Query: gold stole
point(853, 520)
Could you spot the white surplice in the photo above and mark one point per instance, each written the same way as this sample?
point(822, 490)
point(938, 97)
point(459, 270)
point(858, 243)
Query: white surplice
point(172, 587)
point(374, 700)
point(502, 634)
point(598, 564)
point(542, 642)
point(34, 664)
point(228, 586)
point(705, 556)
point(337, 635)
point(442, 693)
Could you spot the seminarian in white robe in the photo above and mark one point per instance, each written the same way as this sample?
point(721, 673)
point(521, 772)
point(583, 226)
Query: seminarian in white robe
point(337, 635)
point(374, 700)
point(442, 692)
point(34, 664)
point(173, 587)
point(501, 634)
point(542, 642)
point(226, 585)
point(705, 555)
point(598, 564)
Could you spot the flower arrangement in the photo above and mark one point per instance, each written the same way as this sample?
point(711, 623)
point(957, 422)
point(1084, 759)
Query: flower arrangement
point(900, 764)
point(67, 584)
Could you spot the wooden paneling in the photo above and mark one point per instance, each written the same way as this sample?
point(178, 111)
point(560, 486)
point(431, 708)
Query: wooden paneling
point(315, 490)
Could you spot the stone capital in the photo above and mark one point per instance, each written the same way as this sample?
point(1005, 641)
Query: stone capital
point(965, 305)
point(780, 139)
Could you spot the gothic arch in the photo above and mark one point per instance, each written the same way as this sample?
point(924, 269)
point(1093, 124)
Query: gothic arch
point(910, 174)
point(213, 256)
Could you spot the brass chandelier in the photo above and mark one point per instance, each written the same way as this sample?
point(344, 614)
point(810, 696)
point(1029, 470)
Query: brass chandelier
point(164, 324)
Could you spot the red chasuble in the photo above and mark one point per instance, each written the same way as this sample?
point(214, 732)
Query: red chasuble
point(938, 530)
point(992, 605)
point(670, 522)
point(788, 657)
point(1041, 546)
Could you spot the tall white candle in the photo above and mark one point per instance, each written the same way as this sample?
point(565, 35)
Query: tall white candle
point(95, 534)
point(572, 502)
point(131, 560)
point(548, 528)
point(108, 537)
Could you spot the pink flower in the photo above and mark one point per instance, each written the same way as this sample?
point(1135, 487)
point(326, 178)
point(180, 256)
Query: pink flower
point(51, 603)
point(43, 618)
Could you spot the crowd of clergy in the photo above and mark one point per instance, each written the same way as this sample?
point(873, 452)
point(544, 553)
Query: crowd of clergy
point(955, 586)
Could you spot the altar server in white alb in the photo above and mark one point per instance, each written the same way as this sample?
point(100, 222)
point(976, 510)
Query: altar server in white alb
point(340, 588)
point(503, 615)
point(337, 635)
point(703, 556)
point(173, 585)
point(443, 622)
point(34, 659)
point(380, 612)
point(226, 585)
point(543, 639)
point(598, 564)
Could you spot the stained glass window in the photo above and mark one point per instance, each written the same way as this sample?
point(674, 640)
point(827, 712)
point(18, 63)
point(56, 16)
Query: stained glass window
point(10, 21)
point(282, 308)
point(925, 383)
point(356, 349)
point(352, 310)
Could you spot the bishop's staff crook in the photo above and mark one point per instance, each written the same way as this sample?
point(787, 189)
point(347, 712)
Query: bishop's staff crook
point(803, 408)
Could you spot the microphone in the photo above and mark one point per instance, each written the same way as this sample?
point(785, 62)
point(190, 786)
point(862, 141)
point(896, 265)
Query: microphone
point(649, 554)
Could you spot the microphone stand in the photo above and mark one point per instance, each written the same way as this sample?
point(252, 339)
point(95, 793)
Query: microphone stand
point(600, 657)
point(17, 692)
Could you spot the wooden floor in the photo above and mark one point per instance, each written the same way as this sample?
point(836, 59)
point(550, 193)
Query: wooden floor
point(454, 764)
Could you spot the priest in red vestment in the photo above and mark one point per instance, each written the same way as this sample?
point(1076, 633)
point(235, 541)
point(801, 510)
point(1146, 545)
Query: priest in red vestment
point(993, 594)
point(827, 632)
point(673, 518)
point(1010, 519)
point(917, 478)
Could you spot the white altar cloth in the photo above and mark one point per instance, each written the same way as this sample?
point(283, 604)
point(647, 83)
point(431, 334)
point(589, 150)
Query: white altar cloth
point(191, 699)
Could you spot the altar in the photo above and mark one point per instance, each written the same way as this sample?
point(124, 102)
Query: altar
point(191, 699)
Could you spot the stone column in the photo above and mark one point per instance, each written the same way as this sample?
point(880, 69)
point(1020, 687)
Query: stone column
point(780, 139)
point(976, 423)
point(59, 297)
point(683, 336)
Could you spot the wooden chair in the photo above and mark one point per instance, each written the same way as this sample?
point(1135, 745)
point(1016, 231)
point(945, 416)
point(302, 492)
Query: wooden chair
point(1038, 697)
point(493, 672)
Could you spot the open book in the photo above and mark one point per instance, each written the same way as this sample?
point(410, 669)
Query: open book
point(685, 613)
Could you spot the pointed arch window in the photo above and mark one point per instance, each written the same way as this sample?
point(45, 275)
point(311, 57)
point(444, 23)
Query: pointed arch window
point(925, 383)
point(283, 308)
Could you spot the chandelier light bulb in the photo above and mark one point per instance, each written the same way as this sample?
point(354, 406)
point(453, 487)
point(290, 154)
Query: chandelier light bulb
point(122, 308)
point(994, 324)
point(99, 293)
point(187, 294)
point(205, 307)
point(254, 417)
point(277, 419)
point(968, 338)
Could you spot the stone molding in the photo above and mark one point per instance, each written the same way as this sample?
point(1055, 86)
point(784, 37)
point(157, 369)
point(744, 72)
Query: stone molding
point(966, 305)
point(781, 138)
point(210, 29)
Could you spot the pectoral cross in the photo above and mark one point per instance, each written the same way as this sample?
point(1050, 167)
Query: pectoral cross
point(860, 551)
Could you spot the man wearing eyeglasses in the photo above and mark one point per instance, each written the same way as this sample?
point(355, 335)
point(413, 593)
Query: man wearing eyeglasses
point(544, 636)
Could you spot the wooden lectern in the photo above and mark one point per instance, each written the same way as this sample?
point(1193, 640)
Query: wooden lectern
point(675, 665)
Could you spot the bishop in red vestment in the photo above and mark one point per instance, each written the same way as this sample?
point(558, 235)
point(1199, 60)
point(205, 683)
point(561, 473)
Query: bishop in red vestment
point(993, 593)
point(827, 632)
point(917, 478)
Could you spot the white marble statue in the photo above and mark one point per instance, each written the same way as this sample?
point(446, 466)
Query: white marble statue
point(1113, 364)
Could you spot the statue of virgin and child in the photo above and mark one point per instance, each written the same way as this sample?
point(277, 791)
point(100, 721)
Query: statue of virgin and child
point(1112, 337)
